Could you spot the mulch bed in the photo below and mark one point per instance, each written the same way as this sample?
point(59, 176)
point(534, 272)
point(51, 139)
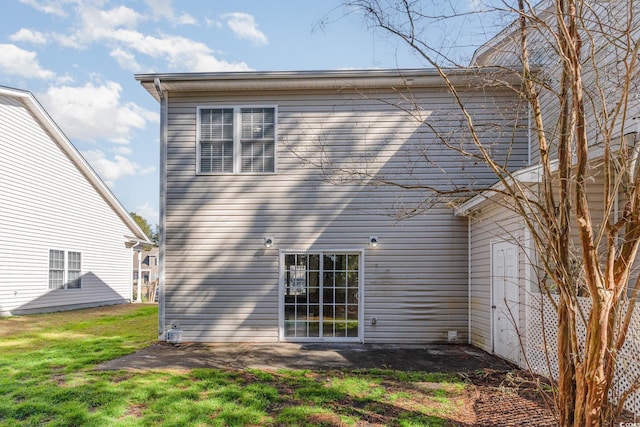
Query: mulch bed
point(509, 398)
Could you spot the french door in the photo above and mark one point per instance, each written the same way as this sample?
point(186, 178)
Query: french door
point(321, 296)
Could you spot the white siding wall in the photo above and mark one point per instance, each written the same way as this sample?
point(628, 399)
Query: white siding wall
point(46, 203)
point(221, 284)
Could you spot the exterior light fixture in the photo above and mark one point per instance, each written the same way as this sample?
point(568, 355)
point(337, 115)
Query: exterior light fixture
point(268, 242)
point(373, 241)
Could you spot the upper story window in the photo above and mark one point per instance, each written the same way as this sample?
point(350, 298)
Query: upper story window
point(236, 140)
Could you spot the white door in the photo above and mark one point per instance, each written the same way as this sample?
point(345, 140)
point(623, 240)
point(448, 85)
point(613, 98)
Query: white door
point(504, 282)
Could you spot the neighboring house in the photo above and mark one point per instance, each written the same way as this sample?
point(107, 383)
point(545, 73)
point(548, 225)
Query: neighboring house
point(65, 240)
point(146, 262)
point(271, 227)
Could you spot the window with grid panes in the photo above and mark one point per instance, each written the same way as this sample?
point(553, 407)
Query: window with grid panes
point(237, 140)
point(216, 140)
point(257, 140)
point(74, 270)
point(56, 269)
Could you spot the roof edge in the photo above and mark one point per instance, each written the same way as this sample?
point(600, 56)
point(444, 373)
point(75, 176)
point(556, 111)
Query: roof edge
point(360, 79)
point(43, 117)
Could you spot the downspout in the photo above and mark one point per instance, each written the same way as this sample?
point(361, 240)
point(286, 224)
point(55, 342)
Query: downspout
point(131, 275)
point(161, 226)
point(469, 276)
point(139, 296)
point(529, 136)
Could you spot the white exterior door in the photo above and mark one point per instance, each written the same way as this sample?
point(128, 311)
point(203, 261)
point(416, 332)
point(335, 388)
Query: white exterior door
point(504, 282)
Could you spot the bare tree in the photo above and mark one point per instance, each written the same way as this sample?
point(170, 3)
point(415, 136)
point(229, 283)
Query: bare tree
point(576, 62)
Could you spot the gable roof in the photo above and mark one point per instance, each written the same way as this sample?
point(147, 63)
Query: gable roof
point(46, 122)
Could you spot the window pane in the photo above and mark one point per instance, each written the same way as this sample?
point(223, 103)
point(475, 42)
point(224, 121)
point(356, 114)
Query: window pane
point(74, 261)
point(258, 156)
point(216, 140)
point(258, 123)
point(56, 269)
point(258, 140)
point(216, 157)
point(216, 124)
point(74, 271)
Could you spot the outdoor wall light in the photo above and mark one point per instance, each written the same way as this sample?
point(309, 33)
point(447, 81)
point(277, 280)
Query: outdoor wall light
point(373, 241)
point(268, 242)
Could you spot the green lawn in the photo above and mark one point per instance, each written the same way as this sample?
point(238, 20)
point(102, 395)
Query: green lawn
point(47, 379)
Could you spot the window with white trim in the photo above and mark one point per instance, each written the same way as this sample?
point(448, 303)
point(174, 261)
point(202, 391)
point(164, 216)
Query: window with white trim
point(56, 269)
point(236, 140)
point(74, 270)
point(65, 275)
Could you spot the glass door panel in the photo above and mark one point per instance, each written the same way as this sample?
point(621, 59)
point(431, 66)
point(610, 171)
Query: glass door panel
point(321, 295)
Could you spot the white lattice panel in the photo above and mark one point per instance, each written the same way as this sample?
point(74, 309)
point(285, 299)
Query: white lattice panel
point(541, 349)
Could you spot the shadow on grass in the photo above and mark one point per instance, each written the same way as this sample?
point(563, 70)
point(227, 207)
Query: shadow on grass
point(218, 397)
point(47, 379)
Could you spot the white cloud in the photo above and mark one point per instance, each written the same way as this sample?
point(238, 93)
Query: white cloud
point(148, 212)
point(178, 52)
point(112, 170)
point(51, 7)
point(186, 19)
point(28, 36)
point(92, 112)
point(164, 9)
point(244, 27)
point(122, 149)
point(126, 60)
point(97, 24)
point(117, 28)
point(23, 63)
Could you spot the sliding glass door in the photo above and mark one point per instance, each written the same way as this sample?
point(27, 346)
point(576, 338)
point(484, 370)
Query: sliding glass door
point(321, 296)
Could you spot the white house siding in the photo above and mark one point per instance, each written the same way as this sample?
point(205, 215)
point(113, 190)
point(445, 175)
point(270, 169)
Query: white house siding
point(46, 203)
point(221, 284)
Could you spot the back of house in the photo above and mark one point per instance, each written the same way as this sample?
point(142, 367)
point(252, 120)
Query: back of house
point(65, 240)
point(298, 206)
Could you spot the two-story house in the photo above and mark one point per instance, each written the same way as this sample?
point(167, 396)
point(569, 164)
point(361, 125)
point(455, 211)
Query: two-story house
point(278, 218)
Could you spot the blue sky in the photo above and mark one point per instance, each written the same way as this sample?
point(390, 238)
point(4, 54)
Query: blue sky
point(78, 57)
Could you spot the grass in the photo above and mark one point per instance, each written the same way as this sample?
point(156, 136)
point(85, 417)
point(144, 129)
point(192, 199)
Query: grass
point(47, 379)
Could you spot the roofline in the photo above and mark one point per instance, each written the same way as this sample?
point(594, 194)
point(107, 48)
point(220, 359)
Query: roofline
point(35, 108)
point(502, 37)
point(292, 74)
point(315, 79)
point(528, 175)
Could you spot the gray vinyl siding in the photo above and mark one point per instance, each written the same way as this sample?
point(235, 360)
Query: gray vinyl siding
point(604, 62)
point(47, 203)
point(221, 284)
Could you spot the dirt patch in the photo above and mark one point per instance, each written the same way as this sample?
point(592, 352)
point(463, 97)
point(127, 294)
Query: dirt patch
point(509, 398)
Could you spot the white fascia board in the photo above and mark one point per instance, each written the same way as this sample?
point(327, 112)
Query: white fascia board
point(319, 80)
point(45, 120)
point(528, 175)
